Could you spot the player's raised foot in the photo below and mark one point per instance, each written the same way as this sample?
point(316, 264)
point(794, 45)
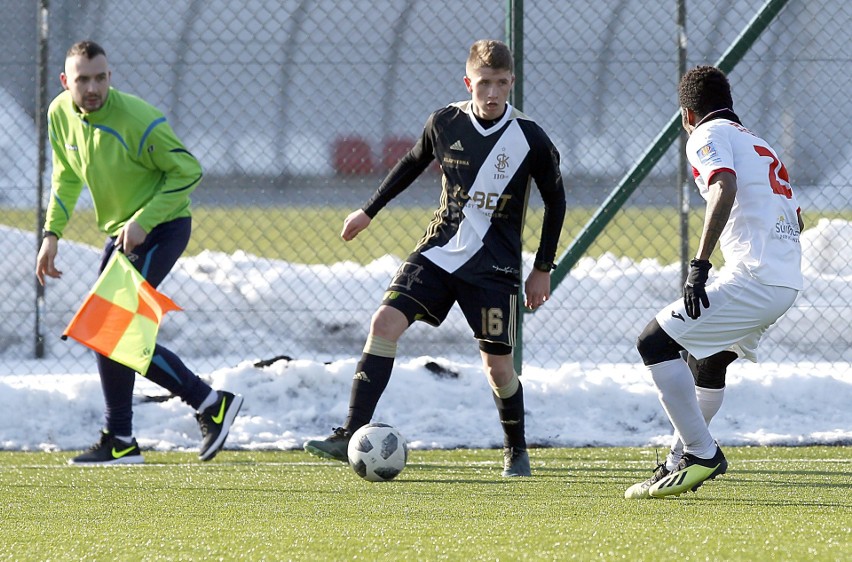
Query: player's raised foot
point(110, 450)
point(639, 491)
point(334, 447)
point(215, 423)
point(516, 462)
point(690, 473)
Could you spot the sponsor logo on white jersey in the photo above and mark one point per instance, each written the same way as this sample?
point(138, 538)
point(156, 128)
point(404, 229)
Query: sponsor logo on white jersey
point(786, 230)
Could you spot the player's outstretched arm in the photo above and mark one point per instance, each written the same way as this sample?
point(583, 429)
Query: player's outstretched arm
point(355, 223)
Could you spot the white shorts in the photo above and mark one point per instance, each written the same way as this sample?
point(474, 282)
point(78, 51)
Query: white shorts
point(741, 310)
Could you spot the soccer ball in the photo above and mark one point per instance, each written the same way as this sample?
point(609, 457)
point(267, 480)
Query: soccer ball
point(377, 452)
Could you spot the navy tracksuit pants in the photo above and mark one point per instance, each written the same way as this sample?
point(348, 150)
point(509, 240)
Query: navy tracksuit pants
point(154, 259)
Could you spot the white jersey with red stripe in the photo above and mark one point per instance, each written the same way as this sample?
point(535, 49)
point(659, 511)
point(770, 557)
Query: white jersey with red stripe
point(762, 232)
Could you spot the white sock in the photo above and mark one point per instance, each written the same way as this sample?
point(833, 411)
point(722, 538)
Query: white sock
point(209, 401)
point(124, 438)
point(675, 452)
point(709, 401)
point(676, 389)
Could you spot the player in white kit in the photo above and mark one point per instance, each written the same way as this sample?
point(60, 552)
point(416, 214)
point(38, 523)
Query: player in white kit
point(753, 215)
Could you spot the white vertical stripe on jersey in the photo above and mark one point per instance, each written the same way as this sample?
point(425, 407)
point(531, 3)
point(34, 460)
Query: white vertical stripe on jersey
point(477, 220)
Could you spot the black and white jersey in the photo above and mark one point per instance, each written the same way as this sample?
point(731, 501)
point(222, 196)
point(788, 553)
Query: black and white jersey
point(476, 231)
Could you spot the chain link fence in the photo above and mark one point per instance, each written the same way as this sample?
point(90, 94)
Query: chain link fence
point(297, 108)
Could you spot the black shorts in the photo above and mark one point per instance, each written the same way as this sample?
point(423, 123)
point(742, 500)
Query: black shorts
point(423, 291)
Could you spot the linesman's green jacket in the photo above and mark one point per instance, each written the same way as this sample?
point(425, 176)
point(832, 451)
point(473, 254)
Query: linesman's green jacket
point(127, 154)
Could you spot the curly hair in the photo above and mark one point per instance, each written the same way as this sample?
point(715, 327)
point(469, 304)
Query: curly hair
point(705, 89)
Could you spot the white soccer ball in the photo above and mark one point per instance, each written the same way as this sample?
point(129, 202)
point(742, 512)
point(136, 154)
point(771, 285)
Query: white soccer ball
point(377, 452)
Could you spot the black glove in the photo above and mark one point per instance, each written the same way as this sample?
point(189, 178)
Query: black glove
point(694, 294)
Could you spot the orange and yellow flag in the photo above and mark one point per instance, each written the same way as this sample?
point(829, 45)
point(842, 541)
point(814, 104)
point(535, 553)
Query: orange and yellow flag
point(121, 316)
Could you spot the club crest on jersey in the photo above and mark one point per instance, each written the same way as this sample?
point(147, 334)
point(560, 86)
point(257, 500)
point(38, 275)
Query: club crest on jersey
point(502, 165)
point(707, 154)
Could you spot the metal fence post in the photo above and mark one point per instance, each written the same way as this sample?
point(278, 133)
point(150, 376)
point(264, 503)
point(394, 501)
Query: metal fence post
point(41, 136)
point(515, 39)
point(682, 180)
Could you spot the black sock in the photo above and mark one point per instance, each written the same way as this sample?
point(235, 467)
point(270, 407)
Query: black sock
point(511, 412)
point(371, 378)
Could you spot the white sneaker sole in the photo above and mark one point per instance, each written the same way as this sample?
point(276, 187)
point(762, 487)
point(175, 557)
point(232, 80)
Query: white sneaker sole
point(135, 459)
point(638, 492)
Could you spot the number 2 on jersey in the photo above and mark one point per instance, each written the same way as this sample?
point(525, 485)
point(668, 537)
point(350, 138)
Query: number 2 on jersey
point(777, 173)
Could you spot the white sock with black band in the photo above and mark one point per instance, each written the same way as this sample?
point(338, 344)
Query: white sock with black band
point(710, 401)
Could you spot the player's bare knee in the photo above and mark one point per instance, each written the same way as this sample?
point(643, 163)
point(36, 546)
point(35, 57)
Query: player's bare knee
point(388, 323)
point(498, 373)
point(498, 364)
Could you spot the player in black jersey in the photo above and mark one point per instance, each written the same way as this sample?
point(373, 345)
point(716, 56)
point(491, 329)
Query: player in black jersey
point(471, 252)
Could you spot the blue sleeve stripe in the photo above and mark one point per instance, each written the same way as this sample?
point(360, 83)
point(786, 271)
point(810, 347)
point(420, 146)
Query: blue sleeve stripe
point(113, 132)
point(147, 132)
point(62, 206)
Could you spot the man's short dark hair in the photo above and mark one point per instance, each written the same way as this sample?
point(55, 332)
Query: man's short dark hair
point(705, 89)
point(86, 48)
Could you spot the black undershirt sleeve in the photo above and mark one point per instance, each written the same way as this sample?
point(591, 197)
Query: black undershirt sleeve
point(548, 179)
point(403, 174)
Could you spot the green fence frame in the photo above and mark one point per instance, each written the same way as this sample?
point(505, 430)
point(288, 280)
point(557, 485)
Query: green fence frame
point(649, 159)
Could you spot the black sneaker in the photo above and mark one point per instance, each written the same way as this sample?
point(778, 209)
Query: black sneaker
point(690, 473)
point(215, 422)
point(640, 491)
point(516, 462)
point(334, 447)
point(110, 450)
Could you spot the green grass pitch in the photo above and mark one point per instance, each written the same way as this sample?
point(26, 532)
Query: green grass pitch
point(774, 504)
point(311, 235)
